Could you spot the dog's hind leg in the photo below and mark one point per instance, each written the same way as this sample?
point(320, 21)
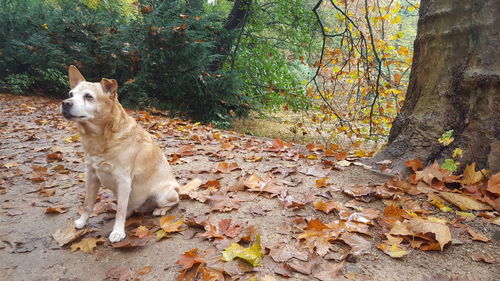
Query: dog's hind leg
point(165, 200)
point(91, 188)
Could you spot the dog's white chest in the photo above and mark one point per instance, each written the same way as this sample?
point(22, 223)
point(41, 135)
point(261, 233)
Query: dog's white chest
point(103, 169)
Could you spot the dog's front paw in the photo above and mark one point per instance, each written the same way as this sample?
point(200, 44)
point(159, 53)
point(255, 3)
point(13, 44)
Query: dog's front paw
point(116, 236)
point(80, 223)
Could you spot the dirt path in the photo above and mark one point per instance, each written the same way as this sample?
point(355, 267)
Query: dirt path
point(33, 135)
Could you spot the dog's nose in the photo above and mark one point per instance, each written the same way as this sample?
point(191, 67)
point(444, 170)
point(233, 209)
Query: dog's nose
point(67, 104)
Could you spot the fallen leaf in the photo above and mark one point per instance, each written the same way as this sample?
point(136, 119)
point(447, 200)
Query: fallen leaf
point(329, 271)
point(471, 176)
point(131, 242)
point(187, 189)
point(477, 236)
point(226, 168)
point(322, 182)
point(494, 184)
point(328, 206)
point(252, 255)
point(68, 234)
point(464, 202)
point(414, 164)
point(222, 203)
point(440, 231)
point(87, 245)
point(483, 258)
point(315, 170)
point(56, 209)
point(171, 224)
point(358, 243)
point(140, 232)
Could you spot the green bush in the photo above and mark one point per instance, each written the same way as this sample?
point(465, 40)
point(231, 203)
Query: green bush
point(160, 58)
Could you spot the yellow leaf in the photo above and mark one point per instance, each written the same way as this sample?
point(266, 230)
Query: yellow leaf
point(471, 176)
point(464, 202)
point(457, 152)
point(87, 245)
point(252, 255)
point(169, 224)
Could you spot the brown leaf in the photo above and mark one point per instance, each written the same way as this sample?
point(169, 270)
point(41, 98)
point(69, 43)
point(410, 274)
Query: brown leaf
point(328, 206)
point(471, 176)
point(266, 185)
point(322, 182)
point(140, 232)
point(414, 164)
point(477, 236)
point(87, 245)
point(190, 258)
point(68, 234)
point(484, 258)
point(440, 231)
point(190, 187)
point(56, 209)
point(315, 170)
point(222, 203)
point(226, 168)
point(494, 184)
point(329, 271)
point(464, 202)
point(358, 243)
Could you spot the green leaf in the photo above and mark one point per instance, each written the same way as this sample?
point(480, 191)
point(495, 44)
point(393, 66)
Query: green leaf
point(446, 138)
point(450, 165)
point(252, 255)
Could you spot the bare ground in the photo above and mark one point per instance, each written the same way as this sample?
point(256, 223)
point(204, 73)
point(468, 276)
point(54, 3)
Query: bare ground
point(30, 128)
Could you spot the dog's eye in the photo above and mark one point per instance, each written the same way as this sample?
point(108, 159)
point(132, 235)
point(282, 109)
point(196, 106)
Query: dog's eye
point(88, 97)
point(70, 94)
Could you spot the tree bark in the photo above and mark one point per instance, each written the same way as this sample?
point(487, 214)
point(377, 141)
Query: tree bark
point(454, 85)
point(236, 20)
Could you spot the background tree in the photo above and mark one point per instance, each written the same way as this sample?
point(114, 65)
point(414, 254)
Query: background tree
point(454, 85)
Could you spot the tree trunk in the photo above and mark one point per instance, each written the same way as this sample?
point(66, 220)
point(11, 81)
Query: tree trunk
point(454, 85)
point(236, 20)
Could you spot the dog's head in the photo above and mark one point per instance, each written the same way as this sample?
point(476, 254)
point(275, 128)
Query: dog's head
point(88, 101)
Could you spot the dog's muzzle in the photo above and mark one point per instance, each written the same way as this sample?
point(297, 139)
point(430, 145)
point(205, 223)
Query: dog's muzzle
point(66, 108)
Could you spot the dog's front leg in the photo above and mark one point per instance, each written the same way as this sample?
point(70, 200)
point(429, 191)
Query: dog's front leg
point(91, 188)
point(122, 196)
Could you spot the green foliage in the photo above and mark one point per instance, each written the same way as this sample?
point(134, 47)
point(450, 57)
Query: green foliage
point(159, 58)
point(272, 50)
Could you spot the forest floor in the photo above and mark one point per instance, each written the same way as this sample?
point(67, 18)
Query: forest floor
point(273, 186)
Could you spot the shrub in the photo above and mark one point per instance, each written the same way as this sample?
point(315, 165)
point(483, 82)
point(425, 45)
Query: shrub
point(159, 58)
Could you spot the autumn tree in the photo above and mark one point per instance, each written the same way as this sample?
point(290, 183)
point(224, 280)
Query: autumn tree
point(454, 85)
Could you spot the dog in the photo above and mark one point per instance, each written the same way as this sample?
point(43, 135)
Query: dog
point(119, 154)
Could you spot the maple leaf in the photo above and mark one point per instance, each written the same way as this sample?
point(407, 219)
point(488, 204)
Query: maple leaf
point(252, 255)
point(87, 245)
point(471, 176)
point(328, 271)
point(169, 224)
point(279, 145)
point(317, 235)
point(440, 231)
point(189, 188)
point(328, 206)
point(226, 168)
point(222, 203)
point(494, 184)
point(266, 185)
point(392, 247)
point(414, 164)
point(190, 258)
point(140, 232)
point(359, 245)
point(322, 182)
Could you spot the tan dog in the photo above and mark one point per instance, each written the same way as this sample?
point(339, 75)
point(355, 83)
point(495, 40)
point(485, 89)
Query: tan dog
point(119, 154)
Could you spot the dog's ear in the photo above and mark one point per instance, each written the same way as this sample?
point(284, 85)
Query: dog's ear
point(109, 86)
point(75, 76)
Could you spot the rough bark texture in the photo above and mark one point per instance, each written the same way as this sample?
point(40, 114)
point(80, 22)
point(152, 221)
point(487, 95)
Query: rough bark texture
point(236, 20)
point(454, 85)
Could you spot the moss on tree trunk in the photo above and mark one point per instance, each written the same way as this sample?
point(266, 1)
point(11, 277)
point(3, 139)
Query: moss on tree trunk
point(454, 85)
